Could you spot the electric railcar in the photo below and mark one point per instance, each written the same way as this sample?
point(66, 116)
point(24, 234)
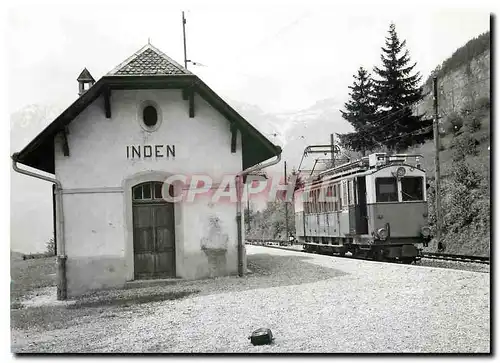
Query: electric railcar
point(375, 207)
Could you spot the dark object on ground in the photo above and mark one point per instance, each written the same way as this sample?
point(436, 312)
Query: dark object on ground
point(261, 336)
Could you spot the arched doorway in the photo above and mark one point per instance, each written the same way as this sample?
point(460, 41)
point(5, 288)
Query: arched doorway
point(154, 232)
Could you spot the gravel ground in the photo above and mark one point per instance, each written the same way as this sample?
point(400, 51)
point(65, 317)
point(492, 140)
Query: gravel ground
point(458, 265)
point(312, 303)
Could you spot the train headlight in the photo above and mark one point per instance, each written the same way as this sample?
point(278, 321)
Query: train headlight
point(401, 172)
point(382, 233)
point(426, 231)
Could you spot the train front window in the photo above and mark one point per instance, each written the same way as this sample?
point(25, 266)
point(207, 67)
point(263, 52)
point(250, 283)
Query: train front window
point(387, 189)
point(412, 188)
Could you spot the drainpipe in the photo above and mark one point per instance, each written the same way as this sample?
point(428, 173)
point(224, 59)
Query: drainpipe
point(239, 176)
point(61, 258)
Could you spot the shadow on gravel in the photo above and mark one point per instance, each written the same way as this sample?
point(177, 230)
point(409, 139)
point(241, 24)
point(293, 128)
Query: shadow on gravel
point(131, 300)
point(270, 271)
point(266, 271)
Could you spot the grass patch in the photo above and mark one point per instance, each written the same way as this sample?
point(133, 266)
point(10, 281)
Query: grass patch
point(16, 305)
point(28, 275)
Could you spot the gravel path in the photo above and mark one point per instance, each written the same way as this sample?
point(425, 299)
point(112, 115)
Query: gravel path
point(312, 303)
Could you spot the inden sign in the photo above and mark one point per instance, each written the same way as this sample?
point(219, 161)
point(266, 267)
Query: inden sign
point(149, 151)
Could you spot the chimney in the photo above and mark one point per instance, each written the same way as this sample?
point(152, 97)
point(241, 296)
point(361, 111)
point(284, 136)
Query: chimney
point(85, 81)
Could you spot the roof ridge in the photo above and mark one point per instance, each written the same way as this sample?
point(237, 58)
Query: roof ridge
point(136, 54)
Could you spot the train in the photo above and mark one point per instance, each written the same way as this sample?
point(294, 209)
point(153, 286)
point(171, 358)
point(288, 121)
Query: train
point(374, 208)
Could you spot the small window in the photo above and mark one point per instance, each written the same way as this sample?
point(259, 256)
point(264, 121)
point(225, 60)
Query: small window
point(387, 189)
point(344, 193)
point(330, 198)
point(412, 188)
point(158, 188)
point(150, 116)
point(350, 199)
point(306, 202)
point(339, 198)
point(148, 191)
point(138, 192)
point(334, 198)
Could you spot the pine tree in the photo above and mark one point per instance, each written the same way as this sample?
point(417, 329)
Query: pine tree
point(395, 91)
point(360, 112)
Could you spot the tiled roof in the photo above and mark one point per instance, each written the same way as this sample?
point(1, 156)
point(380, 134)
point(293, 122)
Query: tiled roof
point(85, 76)
point(149, 61)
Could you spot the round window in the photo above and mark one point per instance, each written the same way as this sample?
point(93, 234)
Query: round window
point(150, 116)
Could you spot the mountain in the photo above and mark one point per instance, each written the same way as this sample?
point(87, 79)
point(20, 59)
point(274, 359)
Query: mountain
point(294, 131)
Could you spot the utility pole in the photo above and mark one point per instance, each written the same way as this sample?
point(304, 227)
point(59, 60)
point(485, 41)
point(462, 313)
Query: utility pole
point(286, 206)
point(184, 36)
point(437, 204)
point(332, 142)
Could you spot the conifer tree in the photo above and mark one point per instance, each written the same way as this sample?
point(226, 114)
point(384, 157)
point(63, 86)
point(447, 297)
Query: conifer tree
point(359, 112)
point(396, 89)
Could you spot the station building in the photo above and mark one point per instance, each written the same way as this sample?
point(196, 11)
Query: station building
point(110, 154)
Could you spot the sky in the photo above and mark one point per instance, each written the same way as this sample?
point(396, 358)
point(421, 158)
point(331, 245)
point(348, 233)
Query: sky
point(280, 58)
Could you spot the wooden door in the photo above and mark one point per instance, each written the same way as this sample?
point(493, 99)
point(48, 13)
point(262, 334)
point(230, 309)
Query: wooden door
point(154, 240)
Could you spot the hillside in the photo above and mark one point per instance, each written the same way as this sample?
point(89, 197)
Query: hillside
point(464, 110)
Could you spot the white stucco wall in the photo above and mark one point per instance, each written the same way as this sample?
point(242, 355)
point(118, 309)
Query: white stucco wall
point(97, 175)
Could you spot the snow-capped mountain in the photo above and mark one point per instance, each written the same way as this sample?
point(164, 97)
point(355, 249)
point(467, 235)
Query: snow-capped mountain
point(294, 131)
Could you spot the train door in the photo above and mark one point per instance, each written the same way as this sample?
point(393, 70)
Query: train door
point(351, 205)
point(361, 209)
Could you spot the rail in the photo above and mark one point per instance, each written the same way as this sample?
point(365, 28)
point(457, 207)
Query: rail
point(431, 255)
point(452, 257)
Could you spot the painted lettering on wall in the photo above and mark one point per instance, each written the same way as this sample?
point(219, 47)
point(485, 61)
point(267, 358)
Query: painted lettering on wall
point(150, 151)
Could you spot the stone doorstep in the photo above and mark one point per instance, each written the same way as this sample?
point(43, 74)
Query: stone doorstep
point(168, 281)
point(152, 282)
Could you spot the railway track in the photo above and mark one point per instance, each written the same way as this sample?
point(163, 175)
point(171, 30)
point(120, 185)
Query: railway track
point(429, 255)
point(460, 258)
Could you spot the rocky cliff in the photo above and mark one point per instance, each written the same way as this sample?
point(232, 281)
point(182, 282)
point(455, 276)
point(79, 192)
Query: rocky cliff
point(463, 79)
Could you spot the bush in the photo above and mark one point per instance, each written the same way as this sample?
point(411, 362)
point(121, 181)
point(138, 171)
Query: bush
point(466, 206)
point(453, 123)
point(464, 145)
point(483, 103)
point(473, 123)
point(467, 108)
point(50, 247)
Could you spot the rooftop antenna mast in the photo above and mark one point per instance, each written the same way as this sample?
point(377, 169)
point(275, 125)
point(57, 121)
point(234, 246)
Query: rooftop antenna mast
point(184, 36)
